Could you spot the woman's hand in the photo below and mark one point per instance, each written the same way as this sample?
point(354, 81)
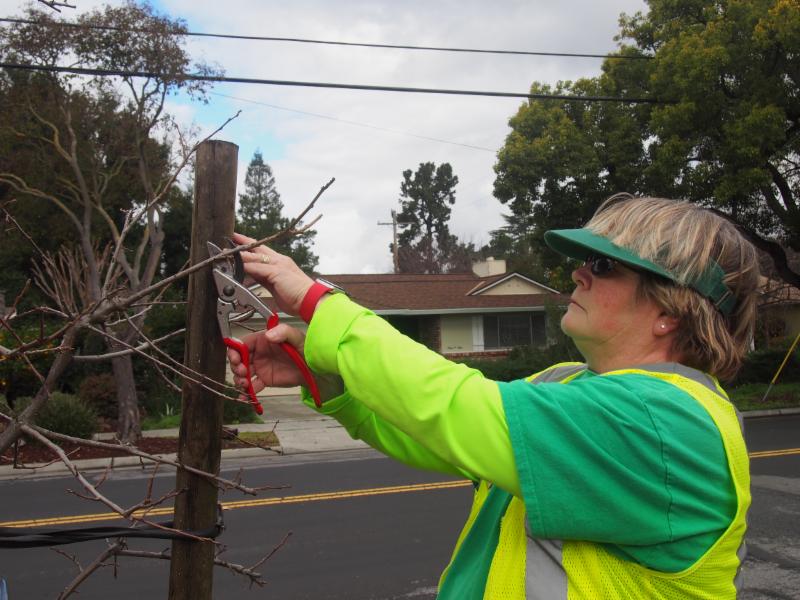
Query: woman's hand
point(270, 365)
point(276, 272)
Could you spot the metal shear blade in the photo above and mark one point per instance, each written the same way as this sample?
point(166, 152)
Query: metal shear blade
point(232, 265)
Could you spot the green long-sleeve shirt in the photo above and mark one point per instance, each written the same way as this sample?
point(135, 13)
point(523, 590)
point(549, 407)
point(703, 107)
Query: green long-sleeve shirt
point(627, 460)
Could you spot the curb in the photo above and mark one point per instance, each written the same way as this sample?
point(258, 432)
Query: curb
point(93, 464)
point(773, 412)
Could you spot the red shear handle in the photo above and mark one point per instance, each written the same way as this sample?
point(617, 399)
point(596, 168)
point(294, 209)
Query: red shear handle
point(299, 362)
point(240, 347)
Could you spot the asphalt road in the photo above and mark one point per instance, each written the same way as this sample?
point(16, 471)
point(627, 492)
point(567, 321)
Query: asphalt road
point(362, 528)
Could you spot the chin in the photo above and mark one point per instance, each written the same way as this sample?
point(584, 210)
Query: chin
point(566, 324)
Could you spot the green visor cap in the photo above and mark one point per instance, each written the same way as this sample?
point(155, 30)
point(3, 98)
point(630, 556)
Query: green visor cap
point(582, 243)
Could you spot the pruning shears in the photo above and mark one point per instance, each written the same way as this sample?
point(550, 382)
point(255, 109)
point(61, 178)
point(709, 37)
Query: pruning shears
point(234, 297)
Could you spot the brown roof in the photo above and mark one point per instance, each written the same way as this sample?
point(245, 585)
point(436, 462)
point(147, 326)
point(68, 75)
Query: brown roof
point(432, 292)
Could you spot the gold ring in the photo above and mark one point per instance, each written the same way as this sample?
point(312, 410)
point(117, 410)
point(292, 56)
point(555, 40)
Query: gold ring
point(264, 259)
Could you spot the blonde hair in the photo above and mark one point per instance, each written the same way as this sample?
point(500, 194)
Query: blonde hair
point(686, 239)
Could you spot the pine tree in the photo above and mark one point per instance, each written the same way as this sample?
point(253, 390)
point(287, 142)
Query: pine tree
point(261, 214)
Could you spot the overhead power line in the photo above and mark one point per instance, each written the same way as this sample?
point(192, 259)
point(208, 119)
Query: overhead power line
point(319, 84)
point(262, 38)
point(356, 123)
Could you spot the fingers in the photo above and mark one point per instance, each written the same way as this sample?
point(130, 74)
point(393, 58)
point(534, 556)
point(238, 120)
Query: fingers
point(241, 383)
point(242, 239)
point(285, 333)
point(261, 255)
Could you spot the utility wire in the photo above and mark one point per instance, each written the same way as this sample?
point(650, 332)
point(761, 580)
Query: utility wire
point(318, 84)
point(356, 123)
point(328, 42)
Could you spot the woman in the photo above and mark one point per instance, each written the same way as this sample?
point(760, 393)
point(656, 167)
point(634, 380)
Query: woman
point(624, 477)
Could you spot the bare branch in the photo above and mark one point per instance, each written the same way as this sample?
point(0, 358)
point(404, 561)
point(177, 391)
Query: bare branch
point(95, 494)
point(56, 6)
point(117, 304)
point(182, 372)
point(272, 552)
point(136, 350)
point(311, 204)
point(225, 483)
point(9, 217)
point(97, 563)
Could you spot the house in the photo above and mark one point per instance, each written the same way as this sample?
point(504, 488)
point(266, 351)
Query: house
point(483, 313)
point(778, 310)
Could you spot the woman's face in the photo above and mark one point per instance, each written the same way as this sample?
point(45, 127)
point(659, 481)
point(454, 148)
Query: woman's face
point(604, 314)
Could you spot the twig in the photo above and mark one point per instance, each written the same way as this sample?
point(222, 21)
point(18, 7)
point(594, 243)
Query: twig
point(98, 562)
point(114, 305)
point(132, 350)
point(71, 557)
point(249, 572)
point(272, 552)
point(54, 4)
point(232, 434)
point(184, 375)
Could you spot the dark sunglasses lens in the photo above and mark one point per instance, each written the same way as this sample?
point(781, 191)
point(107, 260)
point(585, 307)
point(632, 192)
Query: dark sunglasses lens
point(600, 265)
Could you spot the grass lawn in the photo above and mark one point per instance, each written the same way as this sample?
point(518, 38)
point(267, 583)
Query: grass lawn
point(748, 396)
point(161, 422)
point(259, 438)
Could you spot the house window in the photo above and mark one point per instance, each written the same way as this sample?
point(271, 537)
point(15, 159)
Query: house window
point(506, 330)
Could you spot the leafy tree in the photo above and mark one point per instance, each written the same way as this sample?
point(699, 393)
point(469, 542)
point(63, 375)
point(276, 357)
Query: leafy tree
point(726, 134)
point(426, 244)
point(177, 232)
point(261, 215)
point(86, 149)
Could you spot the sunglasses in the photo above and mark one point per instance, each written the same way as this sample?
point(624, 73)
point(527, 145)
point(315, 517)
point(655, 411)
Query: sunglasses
point(599, 265)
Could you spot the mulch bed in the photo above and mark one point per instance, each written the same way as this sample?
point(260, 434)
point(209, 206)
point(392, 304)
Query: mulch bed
point(30, 453)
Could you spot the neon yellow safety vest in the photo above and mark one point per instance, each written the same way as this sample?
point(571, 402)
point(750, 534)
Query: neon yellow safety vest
point(526, 568)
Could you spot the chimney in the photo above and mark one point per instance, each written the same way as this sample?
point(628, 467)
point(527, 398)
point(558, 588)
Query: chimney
point(489, 267)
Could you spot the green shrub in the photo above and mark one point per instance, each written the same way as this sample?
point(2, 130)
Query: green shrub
point(100, 392)
point(760, 366)
point(64, 413)
point(523, 361)
point(156, 397)
point(234, 413)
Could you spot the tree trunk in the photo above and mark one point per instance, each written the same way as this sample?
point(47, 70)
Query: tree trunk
point(129, 426)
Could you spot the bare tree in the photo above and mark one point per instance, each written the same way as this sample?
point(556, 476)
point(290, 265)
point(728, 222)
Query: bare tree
point(64, 279)
point(104, 154)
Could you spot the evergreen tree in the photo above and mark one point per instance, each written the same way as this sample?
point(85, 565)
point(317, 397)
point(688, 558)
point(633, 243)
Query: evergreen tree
point(426, 245)
point(261, 215)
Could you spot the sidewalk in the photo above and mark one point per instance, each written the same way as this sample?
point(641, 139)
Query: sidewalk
point(299, 429)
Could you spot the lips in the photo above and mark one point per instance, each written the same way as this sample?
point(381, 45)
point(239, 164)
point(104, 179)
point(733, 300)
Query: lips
point(571, 301)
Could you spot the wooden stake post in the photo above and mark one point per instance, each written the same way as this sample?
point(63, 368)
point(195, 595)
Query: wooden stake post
point(192, 565)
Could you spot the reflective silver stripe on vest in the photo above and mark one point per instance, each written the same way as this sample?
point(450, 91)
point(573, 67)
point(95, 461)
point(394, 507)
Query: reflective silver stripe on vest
point(545, 578)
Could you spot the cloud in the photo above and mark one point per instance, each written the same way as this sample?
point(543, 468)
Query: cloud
point(305, 151)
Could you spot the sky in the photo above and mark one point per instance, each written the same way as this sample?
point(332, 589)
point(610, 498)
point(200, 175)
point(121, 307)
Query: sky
point(366, 139)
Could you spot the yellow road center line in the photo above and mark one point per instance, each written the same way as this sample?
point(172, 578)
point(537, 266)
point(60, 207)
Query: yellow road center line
point(767, 453)
point(318, 497)
point(256, 502)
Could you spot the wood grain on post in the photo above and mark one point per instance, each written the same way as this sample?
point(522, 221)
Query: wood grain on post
point(192, 565)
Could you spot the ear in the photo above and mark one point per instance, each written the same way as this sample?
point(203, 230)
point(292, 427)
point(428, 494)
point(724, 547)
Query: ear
point(665, 324)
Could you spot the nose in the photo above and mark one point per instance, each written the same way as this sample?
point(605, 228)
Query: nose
point(582, 276)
